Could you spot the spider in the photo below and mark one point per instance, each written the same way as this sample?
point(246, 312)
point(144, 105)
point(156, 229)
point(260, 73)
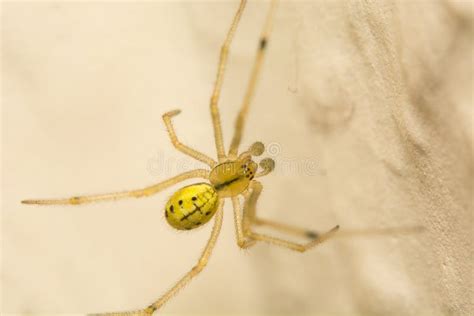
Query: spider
point(231, 176)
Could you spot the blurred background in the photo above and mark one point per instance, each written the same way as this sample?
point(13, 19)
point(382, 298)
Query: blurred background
point(365, 105)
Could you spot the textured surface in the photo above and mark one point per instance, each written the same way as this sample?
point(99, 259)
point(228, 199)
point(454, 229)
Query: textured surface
point(365, 105)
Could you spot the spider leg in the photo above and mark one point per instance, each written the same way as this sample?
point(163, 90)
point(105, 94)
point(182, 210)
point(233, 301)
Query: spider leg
point(242, 241)
point(198, 173)
point(346, 233)
point(288, 229)
point(219, 80)
point(250, 219)
point(181, 147)
point(257, 65)
point(142, 312)
point(202, 262)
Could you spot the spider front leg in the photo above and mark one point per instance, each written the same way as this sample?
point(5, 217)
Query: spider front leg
point(181, 147)
point(249, 214)
point(252, 83)
point(76, 200)
point(224, 53)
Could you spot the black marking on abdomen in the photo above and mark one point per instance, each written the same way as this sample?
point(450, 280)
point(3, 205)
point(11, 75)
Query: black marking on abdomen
point(197, 209)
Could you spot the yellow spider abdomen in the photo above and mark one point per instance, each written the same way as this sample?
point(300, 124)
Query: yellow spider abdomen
point(191, 206)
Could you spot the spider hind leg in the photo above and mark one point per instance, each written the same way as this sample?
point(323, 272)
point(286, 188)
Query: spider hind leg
point(246, 234)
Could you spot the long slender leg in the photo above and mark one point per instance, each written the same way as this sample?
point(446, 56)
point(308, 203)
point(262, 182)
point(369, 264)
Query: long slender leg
point(142, 312)
point(198, 173)
point(257, 65)
point(343, 233)
point(288, 229)
point(249, 218)
point(219, 80)
point(292, 245)
point(242, 241)
point(202, 262)
point(181, 147)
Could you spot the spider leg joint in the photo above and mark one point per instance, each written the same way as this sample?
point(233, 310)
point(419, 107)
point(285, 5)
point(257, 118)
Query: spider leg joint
point(171, 113)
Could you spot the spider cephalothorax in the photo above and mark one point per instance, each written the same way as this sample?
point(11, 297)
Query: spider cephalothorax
point(231, 176)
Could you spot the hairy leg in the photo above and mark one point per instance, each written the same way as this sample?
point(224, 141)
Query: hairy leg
point(285, 228)
point(242, 241)
point(202, 262)
point(76, 200)
point(249, 220)
point(219, 80)
point(181, 147)
point(252, 83)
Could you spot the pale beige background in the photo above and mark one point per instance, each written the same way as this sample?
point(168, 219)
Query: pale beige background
point(368, 104)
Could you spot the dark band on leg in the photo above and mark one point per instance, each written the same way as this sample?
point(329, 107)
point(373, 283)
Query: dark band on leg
point(311, 234)
point(263, 43)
